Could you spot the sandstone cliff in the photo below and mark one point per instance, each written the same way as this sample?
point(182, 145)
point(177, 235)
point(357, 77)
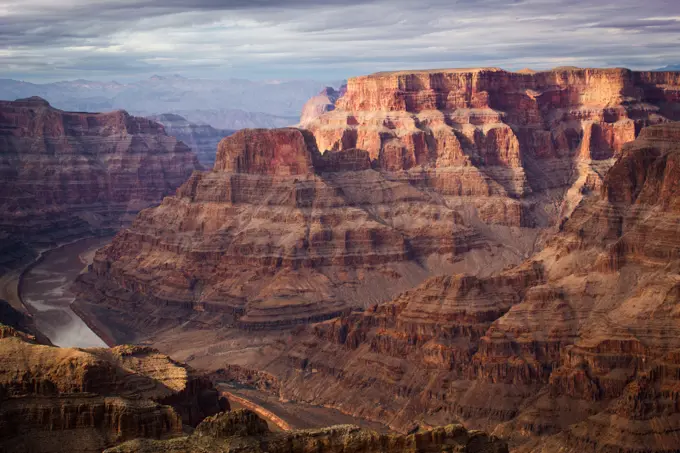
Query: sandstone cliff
point(278, 234)
point(243, 431)
point(56, 400)
point(65, 174)
point(574, 350)
point(201, 138)
point(540, 138)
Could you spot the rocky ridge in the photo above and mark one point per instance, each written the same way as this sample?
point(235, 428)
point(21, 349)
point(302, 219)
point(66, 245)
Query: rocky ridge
point(54, 399)
point(243, 431)
point(575, 349)
point(68, 174)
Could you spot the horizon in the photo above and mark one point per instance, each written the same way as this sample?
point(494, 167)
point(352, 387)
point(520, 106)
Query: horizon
point(330, 83)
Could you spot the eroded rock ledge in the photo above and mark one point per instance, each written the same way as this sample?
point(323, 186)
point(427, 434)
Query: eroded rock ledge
point(55, 400)
point(244, 431)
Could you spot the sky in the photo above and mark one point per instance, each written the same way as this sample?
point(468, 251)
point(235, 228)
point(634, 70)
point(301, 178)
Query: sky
point(47, 40)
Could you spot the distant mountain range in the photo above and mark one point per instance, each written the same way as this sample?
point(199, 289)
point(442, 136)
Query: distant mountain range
point(670, 67)
point(202, 138)
point(224, 104)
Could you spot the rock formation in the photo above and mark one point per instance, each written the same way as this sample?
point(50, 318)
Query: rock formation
point(278, 234)
point(320, 104)
point(579, 344)
point(57, 400)
point(201, 138)
point(487, 134)
point(243, 431)
point(65, 174)
point(414, 174)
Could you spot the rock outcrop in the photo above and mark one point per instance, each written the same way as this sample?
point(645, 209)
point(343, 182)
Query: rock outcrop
point(243, 431)
point(201, 138)
point(66, 174)
point(576, 349)
point(320, 104)
point(278, 234)
point(537, 138)
point(55, 400)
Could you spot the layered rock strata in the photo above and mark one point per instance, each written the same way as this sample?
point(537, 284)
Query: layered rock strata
point(243, 431)
point(491, 134)
point(278, 234)
point(66, 174)
point(201, 138)
point(576, 349)
point(54, 400)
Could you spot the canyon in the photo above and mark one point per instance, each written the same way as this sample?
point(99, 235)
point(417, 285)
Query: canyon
point(481, 247)
point(64, 175)
point(411, 175)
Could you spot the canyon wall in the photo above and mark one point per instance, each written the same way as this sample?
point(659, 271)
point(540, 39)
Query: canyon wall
point(277, 235)
point(538, 138)
point(576, 349)
point(54, 399)
point(67, 174)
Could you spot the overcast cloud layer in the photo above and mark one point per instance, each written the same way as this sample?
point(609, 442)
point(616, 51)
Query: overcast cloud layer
point(43, 40)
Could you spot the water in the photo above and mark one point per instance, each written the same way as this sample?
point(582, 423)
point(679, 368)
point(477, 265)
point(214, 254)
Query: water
point(45, 289)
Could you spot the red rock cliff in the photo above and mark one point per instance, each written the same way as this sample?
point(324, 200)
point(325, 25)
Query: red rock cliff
point(278, 234)
point(525, 133)
point(65, 173)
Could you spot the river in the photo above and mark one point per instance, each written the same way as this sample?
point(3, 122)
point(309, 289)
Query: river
point(44, 289)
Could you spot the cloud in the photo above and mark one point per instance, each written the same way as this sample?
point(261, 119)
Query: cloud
point(114, 39)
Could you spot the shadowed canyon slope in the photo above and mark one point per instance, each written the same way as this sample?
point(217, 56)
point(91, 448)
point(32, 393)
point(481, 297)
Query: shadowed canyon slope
point(243, 431)
point(58, 399)
point(578, 344)
point(66, 174)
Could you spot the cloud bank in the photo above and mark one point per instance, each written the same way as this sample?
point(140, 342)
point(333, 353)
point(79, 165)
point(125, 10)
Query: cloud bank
point(43, 40)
